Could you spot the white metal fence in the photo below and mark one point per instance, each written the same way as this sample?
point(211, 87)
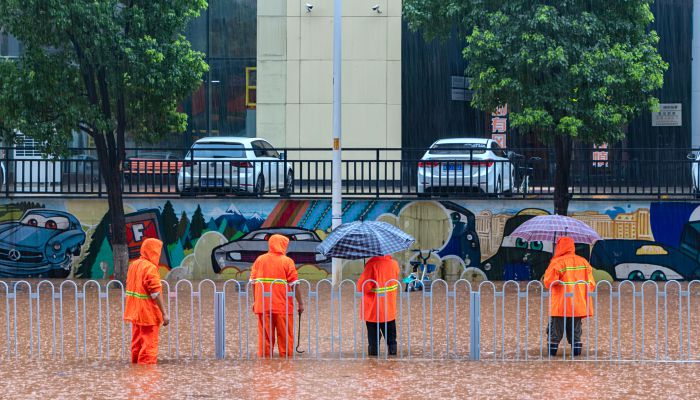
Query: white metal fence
point(642, 321)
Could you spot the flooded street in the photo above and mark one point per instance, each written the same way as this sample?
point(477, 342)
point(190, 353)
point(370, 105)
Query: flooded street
point(81, 355)
point(332, 379)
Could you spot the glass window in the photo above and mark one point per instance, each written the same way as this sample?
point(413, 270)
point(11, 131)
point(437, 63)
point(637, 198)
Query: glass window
point(259, 149)
point(270, 151)
point(458, 148)
point(218, 150)
point(497, 150)
point(232, 29)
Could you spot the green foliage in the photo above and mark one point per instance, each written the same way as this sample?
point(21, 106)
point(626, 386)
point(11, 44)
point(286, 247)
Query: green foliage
point(104, 67)
point(169, 223)
point(579, 69)
point(197, 225)
point(97, 240)
point(182, 226)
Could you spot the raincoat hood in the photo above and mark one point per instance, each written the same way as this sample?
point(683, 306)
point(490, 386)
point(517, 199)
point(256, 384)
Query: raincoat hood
point(278, 244)
point(150, 250)
point(565, 247)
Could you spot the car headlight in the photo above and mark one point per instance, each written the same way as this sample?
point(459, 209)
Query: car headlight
point(320, 257)
point(235, 256)
point(57, 246)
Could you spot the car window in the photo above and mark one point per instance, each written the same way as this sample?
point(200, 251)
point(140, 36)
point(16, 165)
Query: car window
point(497, 150)
point(258, 149)
point(270, 151)
point(218, 150)
point(458, 148)
point(40, 221)
point(260, 236)
point(302, 236)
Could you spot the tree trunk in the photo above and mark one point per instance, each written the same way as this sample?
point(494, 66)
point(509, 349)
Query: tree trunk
point(562, 149)
point(110, 168)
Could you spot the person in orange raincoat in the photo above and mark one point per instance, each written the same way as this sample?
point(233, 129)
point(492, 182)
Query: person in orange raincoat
point(379, 284)
point(144, 304)
point(276, 274)
point(564, 271)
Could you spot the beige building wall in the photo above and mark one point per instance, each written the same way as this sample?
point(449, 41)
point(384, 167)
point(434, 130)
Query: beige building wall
point(295, 82)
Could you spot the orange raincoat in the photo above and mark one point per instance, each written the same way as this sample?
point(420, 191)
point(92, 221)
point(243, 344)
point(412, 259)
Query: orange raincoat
point(274, 272)
point(142, 284)
point(381, 276)
point(568, 268)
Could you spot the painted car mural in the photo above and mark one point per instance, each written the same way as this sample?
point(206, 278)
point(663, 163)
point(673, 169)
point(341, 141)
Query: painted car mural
point(241, 253)
point(642, 259)
point(41, 244)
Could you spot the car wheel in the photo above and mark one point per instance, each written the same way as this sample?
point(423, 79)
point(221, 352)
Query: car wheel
point(288, 188)
point(635, 276)
point(658, 276)
point(259, 189)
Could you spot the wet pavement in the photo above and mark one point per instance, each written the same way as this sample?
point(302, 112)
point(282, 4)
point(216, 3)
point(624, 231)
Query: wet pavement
point(438, 364)
point(273, 379)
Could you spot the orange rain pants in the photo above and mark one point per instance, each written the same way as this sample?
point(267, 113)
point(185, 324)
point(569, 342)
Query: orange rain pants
point(285, 337)
point(144, 344)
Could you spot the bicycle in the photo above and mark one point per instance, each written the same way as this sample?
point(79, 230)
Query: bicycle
point(523, 174)
point(412, 282)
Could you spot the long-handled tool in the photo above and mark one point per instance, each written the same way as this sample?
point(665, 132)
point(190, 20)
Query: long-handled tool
point(299, 334)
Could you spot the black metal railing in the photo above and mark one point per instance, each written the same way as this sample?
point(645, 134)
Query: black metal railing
point(524, 173)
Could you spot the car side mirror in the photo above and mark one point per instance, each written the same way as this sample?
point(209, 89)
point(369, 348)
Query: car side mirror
point(691, 156)
point(283, 155)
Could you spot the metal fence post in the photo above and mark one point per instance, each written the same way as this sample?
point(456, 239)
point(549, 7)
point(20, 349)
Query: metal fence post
point(220, 325)
point(475, 326)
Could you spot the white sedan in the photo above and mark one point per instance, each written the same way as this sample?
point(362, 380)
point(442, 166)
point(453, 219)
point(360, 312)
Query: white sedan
point(465, 165)
point(235, 164)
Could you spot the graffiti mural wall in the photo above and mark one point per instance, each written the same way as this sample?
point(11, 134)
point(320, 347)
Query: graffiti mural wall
point(221, 238)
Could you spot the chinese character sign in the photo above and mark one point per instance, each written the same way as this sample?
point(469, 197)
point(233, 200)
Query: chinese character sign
point(600, 157)
point(499, 125)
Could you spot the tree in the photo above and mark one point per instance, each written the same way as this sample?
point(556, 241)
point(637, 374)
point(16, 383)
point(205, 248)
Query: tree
point(169, 223)
point(105, 68)
point(566, 69)
point(182, 226)
point(198, 224)
point(99, 235)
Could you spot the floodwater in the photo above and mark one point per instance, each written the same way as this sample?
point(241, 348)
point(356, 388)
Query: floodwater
point(86, 360)
point(333, 379)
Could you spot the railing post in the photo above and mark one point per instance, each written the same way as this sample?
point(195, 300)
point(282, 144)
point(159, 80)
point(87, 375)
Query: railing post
point(475, 326)
point(377, 172)
point(220, 325)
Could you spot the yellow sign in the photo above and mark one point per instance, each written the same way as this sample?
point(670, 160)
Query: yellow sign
point(336, 144)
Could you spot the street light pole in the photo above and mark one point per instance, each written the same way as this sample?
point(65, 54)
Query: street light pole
point(336, 187)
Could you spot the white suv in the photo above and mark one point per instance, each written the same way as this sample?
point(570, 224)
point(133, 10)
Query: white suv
point(235, 164)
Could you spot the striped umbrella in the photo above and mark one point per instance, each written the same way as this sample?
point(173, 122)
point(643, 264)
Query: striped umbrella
point(357, 240)
point(550, 227)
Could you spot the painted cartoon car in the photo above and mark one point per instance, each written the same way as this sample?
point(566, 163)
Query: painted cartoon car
point(41, 243)
point(242, 253)
point(642, 259)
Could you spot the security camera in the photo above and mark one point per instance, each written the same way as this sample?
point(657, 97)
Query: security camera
point(376, 9)
point(309, 7)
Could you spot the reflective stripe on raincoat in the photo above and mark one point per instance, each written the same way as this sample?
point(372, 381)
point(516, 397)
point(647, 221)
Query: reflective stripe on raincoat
point(568, 268)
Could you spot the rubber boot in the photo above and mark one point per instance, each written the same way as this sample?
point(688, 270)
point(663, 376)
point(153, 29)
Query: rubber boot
point(372, 351)
point(553, 347)
point(578, 346)
point(392, 349)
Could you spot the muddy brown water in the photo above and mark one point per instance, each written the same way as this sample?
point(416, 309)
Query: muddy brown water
point(328, 369)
